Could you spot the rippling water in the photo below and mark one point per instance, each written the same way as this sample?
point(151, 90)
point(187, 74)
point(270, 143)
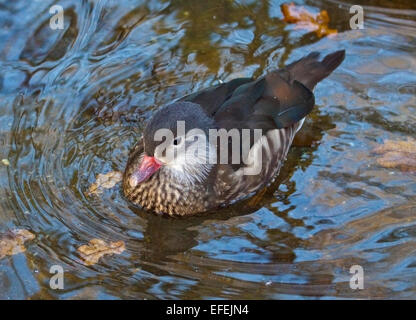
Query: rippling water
point(74, 101)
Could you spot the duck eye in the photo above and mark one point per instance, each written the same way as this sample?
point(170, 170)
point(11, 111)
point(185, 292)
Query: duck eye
point(177, 141)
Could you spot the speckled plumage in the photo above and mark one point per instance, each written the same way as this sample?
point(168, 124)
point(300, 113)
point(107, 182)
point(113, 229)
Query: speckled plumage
point(276, 103)
point(164, 194)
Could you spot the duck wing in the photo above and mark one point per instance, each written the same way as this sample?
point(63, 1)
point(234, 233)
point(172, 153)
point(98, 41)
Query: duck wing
point(276, 103)
point(283, 96)
point(211, 99)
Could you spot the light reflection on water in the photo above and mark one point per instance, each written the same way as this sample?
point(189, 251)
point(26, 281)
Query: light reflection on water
point(74, 102)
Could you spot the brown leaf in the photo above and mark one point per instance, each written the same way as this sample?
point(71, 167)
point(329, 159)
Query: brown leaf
point(97, 248)
point(306, 20)
point(104, 181)
point(398, 154)
point(12, 242)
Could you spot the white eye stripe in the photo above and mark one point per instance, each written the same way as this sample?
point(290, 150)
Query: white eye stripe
point(177, 141)
point(191, 137)
point(188, 161)
point(188, 139)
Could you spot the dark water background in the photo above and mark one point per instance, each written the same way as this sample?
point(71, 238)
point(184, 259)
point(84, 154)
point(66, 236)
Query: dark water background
point(73, 101)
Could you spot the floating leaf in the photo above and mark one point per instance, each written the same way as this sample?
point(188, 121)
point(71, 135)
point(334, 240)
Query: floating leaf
point(105, 181)
point(398, 154)
point(306, 20)
point(97, 248)
point(13, 242)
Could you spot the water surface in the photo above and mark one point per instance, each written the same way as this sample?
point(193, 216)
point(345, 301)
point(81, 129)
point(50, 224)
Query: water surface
point(74, 101)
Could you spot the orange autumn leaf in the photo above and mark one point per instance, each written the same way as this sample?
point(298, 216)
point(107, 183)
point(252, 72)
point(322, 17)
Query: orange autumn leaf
point(104, 181)
point(13, 242)
point(398, 154)
point(306, 20)
point(97, 248)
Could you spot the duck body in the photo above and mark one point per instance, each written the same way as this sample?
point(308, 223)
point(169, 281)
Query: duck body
point(275, 105)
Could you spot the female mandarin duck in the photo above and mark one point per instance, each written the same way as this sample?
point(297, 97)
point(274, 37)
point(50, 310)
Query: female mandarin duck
point(190, 182)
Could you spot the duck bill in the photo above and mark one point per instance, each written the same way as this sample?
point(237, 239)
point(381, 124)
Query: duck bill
point(148, 167)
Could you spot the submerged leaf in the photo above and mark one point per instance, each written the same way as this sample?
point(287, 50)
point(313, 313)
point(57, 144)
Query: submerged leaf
point(306, 20)
point(105, 181)
point(398, 154)
point(12, 242)
point(97, 248)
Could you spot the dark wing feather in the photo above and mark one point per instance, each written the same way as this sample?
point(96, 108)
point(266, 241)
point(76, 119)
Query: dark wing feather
point(212, 98)
point(309, 70)
point(272, 97)
point(284, 96)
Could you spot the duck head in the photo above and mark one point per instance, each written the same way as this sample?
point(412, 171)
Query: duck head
point(175, 143)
